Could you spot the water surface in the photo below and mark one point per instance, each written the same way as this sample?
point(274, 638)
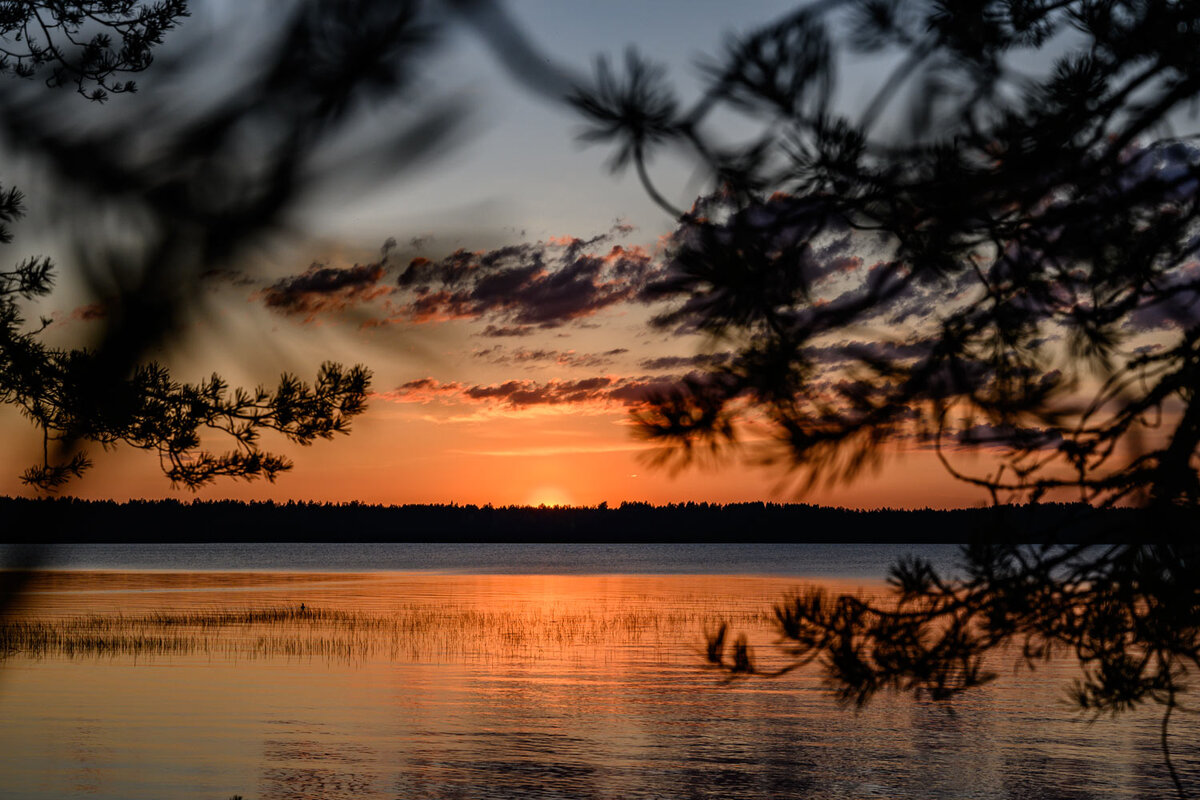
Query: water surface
point(867, 561)
point(444, 684)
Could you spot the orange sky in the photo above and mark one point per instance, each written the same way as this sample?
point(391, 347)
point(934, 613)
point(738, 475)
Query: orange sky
point(394, 456)
point(511, 380)
point(458, 413)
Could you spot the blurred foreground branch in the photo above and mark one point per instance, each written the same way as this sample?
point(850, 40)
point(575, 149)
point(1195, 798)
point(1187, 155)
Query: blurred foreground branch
point(1128, 614)
point(997, 253)
point(988, 257)
point(170, 194)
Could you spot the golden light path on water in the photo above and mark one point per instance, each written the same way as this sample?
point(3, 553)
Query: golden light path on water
point(418, 685)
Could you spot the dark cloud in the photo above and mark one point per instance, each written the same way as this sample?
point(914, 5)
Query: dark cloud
point(985, 435)
point(846, 352)
point(1009, 437)
point(1178, 306)
point(90, 311)
point(500, 355)
point(1175, 164)
point(1181, 311)
point(519, 394)
point(522, 288)
point(919, 301)
point(439, 306)
point(323, 289)
point(234, 277)
point(516, 290)
point(504, 331)
point(423, 384)
point(687, 362)
point(786, 251)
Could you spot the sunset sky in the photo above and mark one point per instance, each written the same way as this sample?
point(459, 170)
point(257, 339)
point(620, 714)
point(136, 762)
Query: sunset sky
point(495, 293)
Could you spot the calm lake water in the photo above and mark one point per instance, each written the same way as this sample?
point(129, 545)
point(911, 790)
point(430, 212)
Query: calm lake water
point(502, 672)
point(867, 561)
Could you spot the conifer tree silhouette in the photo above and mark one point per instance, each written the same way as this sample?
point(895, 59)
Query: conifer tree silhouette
point(988, 255)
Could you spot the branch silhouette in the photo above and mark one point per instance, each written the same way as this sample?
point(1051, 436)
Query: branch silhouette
point(194, 189)
point(84, 43)
point(1032, 236)
point(988, 257)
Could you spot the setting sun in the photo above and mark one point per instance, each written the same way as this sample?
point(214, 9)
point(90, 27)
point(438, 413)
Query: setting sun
point(518, 398)
point(549, 496)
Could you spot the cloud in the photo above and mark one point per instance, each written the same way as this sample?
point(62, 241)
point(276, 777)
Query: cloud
point(1009, 437)
point(504, 331)
point(687, 362)
point(323, 289)
point(857, 351)
point(782, 252)
point(522, 288)
point(1173, 164)
point(605, 391)
point(89, 312)
point(515, 290)
point(1180, 311)
point(1176, 307)
point(500, 355)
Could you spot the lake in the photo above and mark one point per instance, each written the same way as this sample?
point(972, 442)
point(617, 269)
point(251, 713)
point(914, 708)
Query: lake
point(502, 671)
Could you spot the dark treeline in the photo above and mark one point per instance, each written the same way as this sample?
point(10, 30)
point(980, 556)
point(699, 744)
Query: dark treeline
point(68, 520)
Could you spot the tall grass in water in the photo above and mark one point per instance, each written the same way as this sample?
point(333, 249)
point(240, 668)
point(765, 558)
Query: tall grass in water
point(417, 632)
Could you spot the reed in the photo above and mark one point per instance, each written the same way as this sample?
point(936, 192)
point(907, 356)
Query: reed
point(413, 632)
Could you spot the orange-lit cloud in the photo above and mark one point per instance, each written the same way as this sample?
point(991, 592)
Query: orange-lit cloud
point(89, 312)
point(516, 290)
point(522, 288)
point(502, 356)
point(84, 313)
point(687, 362)
point(602, 391)
point(322, 289)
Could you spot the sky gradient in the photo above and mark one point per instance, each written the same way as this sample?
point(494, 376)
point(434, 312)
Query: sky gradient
point(498, 294)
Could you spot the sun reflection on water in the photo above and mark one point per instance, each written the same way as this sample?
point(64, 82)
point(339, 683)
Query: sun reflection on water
point(386, 685)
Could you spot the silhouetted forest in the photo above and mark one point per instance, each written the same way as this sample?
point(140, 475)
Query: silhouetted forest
point(63, 520)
